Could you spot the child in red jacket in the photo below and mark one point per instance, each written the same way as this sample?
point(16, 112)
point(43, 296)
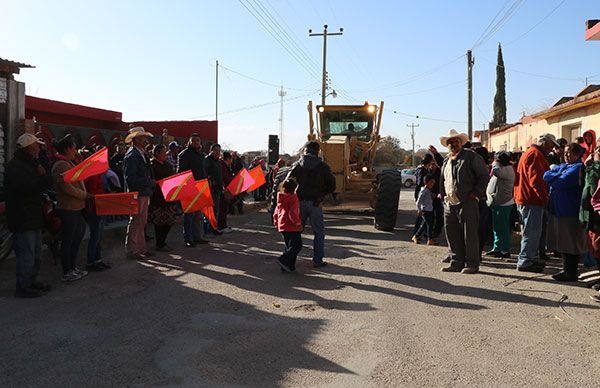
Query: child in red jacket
point(287, 219)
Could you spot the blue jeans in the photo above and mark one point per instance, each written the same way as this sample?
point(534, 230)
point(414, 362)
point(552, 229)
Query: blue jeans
point(308, 211)
point(193, 227)
point(73, 228)
point(293, 246)
point(531, 232)
point(28, 249)
point(96, 224)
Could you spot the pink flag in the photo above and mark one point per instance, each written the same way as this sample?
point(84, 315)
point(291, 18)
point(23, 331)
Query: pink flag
point(242, 181)
point(178, 187)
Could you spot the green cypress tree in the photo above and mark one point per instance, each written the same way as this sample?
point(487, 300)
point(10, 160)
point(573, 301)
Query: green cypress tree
point(500, 97)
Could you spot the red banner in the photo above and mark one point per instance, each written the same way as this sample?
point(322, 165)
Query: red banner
point(241, 182)
point(178, 187)
point(94, 165)
point(209, 213)
point(201, 200)
point(259, 178)
point(116, 204)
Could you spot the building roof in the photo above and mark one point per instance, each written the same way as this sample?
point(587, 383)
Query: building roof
point(15, 64)
point(587, 96)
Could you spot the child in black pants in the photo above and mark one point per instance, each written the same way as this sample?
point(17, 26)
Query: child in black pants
point(424, 222)
point(287, 219)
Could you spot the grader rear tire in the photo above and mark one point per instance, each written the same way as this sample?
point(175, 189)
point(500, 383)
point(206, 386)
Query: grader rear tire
point(389, 183)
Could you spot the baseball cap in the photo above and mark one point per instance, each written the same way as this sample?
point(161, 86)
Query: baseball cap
point(550, 137)
point(173, 144)
point(27, 139)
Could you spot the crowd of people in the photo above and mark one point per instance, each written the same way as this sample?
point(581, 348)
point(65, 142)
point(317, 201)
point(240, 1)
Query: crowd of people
point(136, 164)
point(479, 197)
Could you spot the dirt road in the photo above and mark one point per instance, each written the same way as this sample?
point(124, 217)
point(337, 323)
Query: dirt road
point(382, 314)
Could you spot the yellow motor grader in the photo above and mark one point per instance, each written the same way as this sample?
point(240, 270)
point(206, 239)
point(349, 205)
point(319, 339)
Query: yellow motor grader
point(348, 136)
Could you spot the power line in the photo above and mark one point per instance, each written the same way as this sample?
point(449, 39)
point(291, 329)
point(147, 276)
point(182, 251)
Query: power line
point(256, 106)
point(411, 78)
point(536, 75)
point(259, 80)
point(426, 118)
point(278, 39)
point(492, 27)
point(427, 90)
point(538, 23)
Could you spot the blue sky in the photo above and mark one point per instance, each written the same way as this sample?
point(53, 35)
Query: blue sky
point(154, 60)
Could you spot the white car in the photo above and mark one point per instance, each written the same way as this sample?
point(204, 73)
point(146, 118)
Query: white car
point(408, 177)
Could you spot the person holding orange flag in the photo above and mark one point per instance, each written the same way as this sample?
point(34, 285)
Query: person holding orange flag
point(138, 178)
point(160, 212)
point(71, 197)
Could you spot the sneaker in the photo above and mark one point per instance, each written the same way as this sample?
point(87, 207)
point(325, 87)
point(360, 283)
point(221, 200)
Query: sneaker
point(536, 268)
point(104, 264)
point(70, 276)
point(504, 255)
point(447, 259)
point(28, 292)
point(596, 287)
point(562, 276)
point(415, 239)
point(431, 242)
point(284, 267)
point(226, 230)
point(319, 264)
point(41, 286)
point(453, 268)
point(493, 253)
point(470, 270)
point(80, 272)
point(95, 267)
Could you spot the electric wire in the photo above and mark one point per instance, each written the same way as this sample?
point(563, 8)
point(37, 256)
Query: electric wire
point(534, 74)
point(427, 90)
point(280, 41)
point(538, 23)
point(495, 26)
point(227, 69)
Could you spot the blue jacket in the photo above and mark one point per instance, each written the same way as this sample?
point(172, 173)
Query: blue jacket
point(138, 173)
point(565, 189)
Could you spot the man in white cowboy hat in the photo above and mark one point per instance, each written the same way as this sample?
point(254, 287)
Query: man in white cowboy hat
point(138, 178)
point(463, 181)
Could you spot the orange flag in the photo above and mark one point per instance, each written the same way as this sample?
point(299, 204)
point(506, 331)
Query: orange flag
point(94, 165)
point(116, 204)
point(259, 178)
point(201, 200)
point(209, 213)
point(241, 182)
point(178, 187)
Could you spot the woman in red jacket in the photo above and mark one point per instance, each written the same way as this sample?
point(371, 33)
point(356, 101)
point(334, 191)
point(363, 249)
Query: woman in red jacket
point(287, 219)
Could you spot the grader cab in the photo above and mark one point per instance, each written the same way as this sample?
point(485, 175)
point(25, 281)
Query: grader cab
point(348, 136)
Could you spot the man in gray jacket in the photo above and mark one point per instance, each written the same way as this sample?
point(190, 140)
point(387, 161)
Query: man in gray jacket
point(463, 181)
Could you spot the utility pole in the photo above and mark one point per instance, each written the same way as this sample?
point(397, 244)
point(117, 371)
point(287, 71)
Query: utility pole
point(217, 93)
point(470, 63)
point(281, 94)
point(324, 35)
point(412, 136)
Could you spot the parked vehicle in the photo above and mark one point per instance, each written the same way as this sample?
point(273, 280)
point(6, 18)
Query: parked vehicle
point(408, 177)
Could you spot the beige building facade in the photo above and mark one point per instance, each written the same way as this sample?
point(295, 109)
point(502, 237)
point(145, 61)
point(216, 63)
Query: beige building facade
point(568, 118)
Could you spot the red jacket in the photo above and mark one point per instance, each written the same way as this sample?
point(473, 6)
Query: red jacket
point(287, 213)
point(530, 188)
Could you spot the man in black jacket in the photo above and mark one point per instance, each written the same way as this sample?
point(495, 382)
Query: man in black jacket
point(315, 181)
point(25, 182)
point(192, 158)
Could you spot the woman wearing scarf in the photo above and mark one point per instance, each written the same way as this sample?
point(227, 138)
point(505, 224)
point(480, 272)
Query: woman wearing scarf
point(565, 198)
point(71, 199)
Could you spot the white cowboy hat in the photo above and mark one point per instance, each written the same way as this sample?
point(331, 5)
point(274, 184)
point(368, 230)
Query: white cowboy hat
point(454, 134)
point(135, 132)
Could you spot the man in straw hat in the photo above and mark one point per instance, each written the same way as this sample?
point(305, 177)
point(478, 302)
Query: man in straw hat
point(463, 180)
point(138, 178)
point(531, 196)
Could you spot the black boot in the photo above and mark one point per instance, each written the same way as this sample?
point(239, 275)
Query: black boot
point(569, 272)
